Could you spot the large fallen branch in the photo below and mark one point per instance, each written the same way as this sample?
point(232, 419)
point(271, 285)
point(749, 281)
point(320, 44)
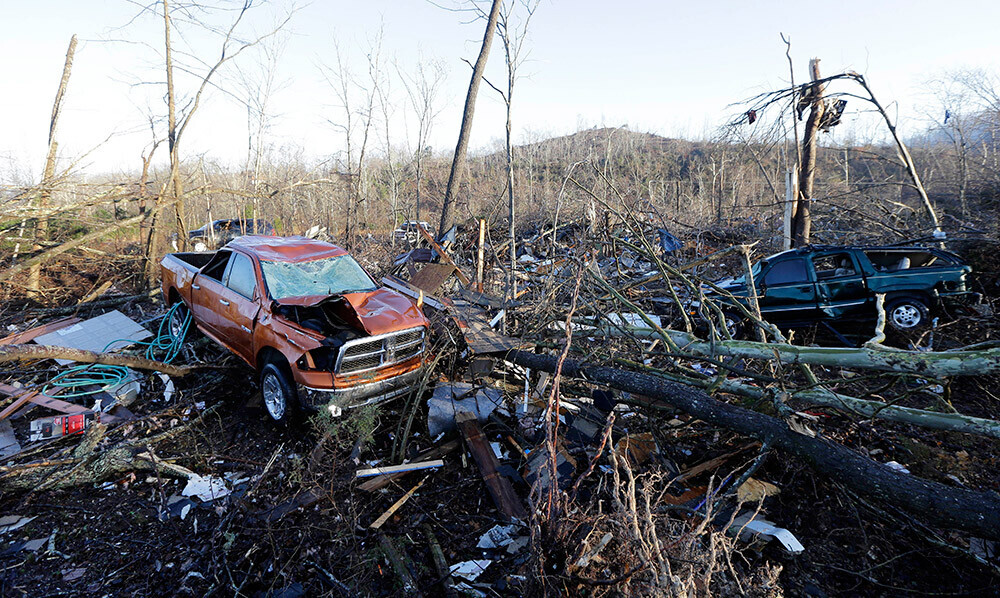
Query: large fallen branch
point(952, 422)
point(35, 352)
point(930, 364)
point(975, 512)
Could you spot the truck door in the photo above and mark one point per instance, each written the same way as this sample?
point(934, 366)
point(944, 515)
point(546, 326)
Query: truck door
point(840, 287)
point(789, 293)
point(205, 289)
point(238, 307)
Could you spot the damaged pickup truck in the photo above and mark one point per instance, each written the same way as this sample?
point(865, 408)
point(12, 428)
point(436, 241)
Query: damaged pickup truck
point(306, 316)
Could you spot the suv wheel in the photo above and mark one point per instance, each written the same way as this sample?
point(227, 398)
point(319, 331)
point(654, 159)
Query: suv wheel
point(907, 313)
point(280, 398)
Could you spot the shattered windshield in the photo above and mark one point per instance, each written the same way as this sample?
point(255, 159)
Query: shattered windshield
point(329, 276)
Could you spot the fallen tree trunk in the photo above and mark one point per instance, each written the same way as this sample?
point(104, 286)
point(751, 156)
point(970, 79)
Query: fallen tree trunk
point(35, 352)
point(930, 364)
point(952, 422)
point(975, 512)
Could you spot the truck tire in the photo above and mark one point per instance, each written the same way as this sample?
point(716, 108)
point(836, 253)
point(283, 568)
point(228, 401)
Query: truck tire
point(176, 323)
point(281, 400)
point(907, 313)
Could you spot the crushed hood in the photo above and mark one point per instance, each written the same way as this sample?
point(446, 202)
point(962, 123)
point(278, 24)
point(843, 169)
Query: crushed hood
point(376, 312)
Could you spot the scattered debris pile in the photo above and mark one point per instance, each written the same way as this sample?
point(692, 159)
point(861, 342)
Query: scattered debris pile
point(590, 426)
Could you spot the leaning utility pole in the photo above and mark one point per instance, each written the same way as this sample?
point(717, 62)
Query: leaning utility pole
point(458, 162)
point(813, 97)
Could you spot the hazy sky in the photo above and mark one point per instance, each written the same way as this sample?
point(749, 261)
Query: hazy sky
point(658, 66)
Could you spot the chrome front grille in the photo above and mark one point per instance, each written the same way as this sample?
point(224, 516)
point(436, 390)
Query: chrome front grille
point(373, 352)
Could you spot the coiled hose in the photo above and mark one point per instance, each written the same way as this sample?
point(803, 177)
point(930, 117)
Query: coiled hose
point(163, 347)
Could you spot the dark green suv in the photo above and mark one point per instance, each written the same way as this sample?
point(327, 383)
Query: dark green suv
point(825, 283)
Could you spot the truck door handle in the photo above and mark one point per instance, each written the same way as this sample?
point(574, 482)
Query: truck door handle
point(196, 287)
point(223, 301)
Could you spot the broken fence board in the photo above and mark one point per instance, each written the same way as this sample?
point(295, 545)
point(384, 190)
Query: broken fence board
point(56, 404)
point(395, 506)
point(406, 467)
point(32, 333)
point(431, 277)
point(500, 489)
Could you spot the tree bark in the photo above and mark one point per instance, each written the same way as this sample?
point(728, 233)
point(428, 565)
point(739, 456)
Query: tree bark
point(176, 184)
point(802, 222)
point(35, 352)
point(458, 162)
point(975, 512)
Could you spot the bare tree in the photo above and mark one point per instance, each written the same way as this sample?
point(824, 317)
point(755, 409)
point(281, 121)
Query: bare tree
point(231, 47)
point(512, 27)
point(357, 102)
point(458, 162)
point(422, 89)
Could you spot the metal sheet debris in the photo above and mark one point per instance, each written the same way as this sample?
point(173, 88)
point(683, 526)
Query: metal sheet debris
point(9, 523)
point(448, 400)
point(470, 570)
point(108, 332)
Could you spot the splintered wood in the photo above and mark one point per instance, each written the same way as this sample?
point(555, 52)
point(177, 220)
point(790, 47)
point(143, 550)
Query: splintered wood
point(500, 489)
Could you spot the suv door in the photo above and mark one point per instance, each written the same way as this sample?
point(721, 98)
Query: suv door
point(789, 293)
point(840, 287)
point(238, 306)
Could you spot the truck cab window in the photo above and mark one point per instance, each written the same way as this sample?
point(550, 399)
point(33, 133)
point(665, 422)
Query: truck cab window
point(217, 267)
point(787, 272)
point(241, 276)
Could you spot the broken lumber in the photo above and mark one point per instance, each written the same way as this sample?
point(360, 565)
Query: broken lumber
point(19, 338)
point(958, 508)
point(930, 364)
point(36, 352)
point(395, 506)
point(500, 489)
point(404, 468)
point(444, 256)
point(377, 483)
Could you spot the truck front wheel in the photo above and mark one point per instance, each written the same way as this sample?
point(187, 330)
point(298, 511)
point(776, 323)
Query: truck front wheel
point(907, 313)
point(280, 397)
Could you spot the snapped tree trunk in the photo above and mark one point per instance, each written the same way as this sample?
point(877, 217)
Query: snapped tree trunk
point(802, 222)
point(958, 508)
point(42, 224)
point(176, 184)
point(458, 162)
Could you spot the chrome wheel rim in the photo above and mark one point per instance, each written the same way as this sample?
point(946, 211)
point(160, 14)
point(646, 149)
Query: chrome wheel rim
point(177, 321)
point(906, 316)
point(274, 398)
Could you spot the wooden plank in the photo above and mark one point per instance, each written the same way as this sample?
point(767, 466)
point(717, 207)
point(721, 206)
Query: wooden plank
point(19, 338)
point(406, 467)
point(500, 489)
point(21, 397)
point(398, 284)
point(430, 278)
point(382, 481)
point(56, 404)
point(395, 506)
point(479, 256)
point(444, 256)
point(480, 337)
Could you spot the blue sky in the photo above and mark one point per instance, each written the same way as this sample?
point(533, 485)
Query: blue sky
point(666, 67)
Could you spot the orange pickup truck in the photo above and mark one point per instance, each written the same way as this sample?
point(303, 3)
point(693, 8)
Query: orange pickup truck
point(306, 316)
